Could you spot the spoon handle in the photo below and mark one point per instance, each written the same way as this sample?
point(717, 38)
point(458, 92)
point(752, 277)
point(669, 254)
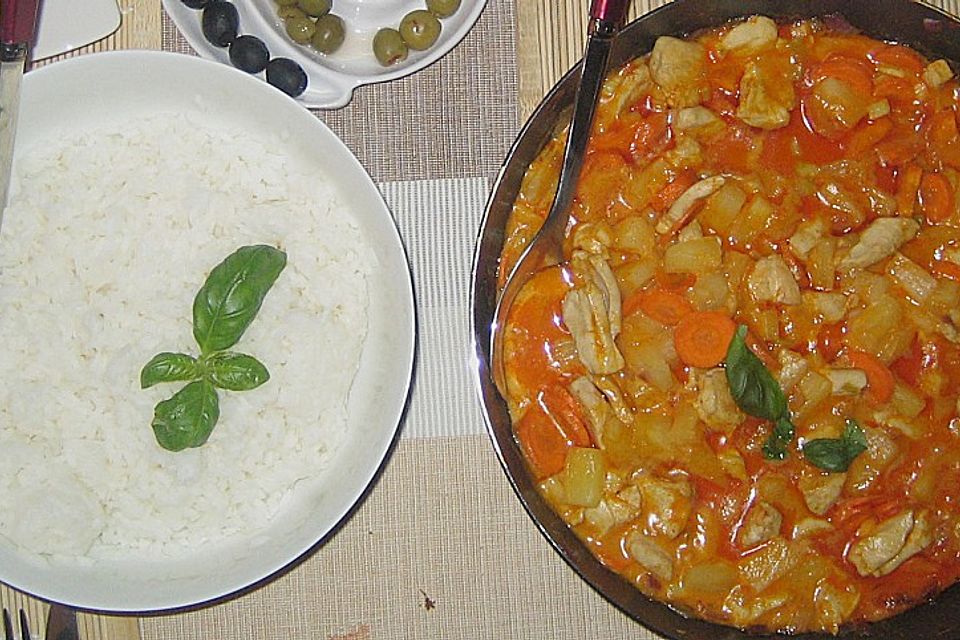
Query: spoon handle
point(613, 11)
point(18, 21)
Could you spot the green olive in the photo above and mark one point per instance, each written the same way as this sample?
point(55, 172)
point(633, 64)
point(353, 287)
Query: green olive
point(389, 47)
point(286, 3)
point(420, 29)
point(300, 30)
point(329, 35)
point(290, 11)
point(315, 8)
point(443, 8)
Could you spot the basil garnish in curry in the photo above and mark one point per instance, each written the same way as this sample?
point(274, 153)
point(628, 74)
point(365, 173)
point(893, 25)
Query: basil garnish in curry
point(758, 394)
point(836, 454)
point(224, 307)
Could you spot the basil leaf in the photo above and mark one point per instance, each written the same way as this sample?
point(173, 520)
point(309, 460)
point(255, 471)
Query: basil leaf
point(169, 367)
point(232, 295)
point(235, 371)
point(775, 448)
point(753, 387)
point(836, 454)
point(186, 419)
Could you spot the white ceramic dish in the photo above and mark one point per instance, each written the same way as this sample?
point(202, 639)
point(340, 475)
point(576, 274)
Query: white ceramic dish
point(333, 78)
point(60, 97)
point(64, 25)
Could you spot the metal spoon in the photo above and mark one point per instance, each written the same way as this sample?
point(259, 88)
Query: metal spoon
point(546, 248)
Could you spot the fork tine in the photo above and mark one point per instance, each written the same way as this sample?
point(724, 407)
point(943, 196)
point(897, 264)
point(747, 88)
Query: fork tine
point(24, 627)
point(7, 626)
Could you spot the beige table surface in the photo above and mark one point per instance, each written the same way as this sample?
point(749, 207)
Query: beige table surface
point(440, 548)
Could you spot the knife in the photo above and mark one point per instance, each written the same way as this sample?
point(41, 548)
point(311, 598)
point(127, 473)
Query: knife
point(18, 22)
point(61, 623)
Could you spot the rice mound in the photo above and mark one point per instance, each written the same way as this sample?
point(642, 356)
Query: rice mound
point(107, 238)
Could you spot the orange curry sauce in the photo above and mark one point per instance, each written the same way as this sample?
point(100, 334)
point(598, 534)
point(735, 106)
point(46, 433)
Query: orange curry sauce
point(801, 183)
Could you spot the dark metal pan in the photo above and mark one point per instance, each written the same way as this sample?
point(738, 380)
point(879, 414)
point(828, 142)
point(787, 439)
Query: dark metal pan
point(927, 29)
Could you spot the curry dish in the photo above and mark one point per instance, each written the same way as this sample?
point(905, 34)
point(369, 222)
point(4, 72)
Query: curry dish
point(740, 390)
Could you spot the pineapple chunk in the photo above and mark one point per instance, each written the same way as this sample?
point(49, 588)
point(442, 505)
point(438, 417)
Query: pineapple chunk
point(937, 73)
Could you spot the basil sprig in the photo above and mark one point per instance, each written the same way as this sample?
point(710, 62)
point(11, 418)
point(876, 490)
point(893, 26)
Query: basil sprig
point(836, 454)
point(758, 394)
point(224, 307)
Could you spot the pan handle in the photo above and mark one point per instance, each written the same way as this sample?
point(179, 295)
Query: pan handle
point(18, 21)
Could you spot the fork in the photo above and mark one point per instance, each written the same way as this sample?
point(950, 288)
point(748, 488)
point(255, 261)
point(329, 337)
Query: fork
point(8, 633)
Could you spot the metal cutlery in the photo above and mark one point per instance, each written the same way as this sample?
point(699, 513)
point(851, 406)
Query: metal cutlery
point(546, 248)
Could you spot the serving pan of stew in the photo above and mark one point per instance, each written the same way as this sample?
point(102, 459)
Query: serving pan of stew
point(733, 408)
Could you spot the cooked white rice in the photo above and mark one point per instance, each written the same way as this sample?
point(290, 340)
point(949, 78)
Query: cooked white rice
point(105, 242)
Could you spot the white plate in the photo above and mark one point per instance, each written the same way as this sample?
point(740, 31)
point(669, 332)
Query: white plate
point(131, 83)
point(64, 25)
point(333, 78)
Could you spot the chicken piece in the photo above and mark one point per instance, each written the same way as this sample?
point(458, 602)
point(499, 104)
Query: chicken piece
point(593, 237)
point(687, 154)
point(830, 306)
point(677, 66)
point(834, 605)
point(715, 406)
point(937, 73)
point(762, 523)
point(611, 511)
point(682, 206)
point(879, 240)
point(846, 382)
point(771, 561)
point(890, 543)
point(650, 555)
point(793, 367)
point(915, 280)
point(772, 281)
point(810, 527)
point(592, 314)
point(695, 118)
point(806, 237)
point(615, 396)
point(622, 90)
point(744, 608)
point(821, 490)
point(765, 100)
point(749, 36)
point(597, 408)
point(666, 505)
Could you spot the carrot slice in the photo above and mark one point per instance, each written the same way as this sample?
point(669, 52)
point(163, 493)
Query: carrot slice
point(866, 137)
point(897, 56)
point(907, 187)
point(880, 380)
point(549, 428)
point(666, 307)
point(936, 197)
point(702, 338)
point(852, 72)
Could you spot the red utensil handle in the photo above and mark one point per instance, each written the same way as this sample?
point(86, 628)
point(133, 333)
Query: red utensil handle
point(609, 10)
point(18, 20)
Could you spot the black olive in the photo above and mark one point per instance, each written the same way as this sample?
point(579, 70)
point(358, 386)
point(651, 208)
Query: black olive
point(220, 22)
point(287, 75)
point(196, 4)
point(249, 53)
